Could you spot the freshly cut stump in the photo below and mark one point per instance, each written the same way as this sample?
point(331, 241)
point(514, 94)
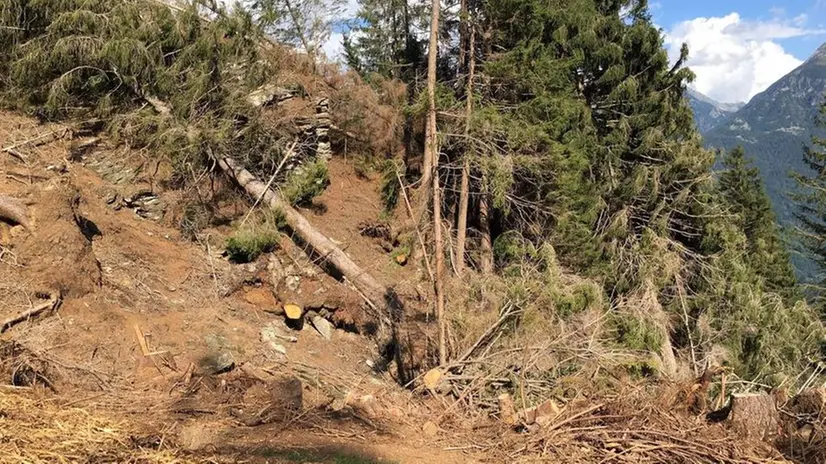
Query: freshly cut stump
point(754, 416)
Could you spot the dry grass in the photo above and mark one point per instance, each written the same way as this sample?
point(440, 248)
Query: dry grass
point(39, 431)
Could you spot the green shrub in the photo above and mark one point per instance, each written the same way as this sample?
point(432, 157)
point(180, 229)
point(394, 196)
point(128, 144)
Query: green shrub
point(390, 190)
point(246, 245)
point(636, 334)
point(307, 183)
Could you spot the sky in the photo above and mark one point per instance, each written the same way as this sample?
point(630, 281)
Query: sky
point(738, 48)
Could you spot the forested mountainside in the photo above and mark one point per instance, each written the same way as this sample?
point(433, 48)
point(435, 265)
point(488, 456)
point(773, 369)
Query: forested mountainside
point(773, 128)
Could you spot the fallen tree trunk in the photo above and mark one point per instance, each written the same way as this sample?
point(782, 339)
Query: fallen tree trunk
point(379, 296)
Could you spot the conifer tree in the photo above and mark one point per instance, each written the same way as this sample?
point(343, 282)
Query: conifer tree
point(742, 188)
point(384, 39)
point(811, 204)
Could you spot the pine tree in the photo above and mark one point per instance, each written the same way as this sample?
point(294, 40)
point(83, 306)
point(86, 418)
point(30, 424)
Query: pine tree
point(303, 23)
point(742, 188)
point(384, 39)
point(811, 205)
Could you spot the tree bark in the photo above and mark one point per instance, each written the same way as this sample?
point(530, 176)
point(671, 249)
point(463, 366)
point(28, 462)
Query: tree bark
point(440, 264)
point(431, 178)
point(430, 130)
point(486, 247)
point(461, 235)
point(378, 295)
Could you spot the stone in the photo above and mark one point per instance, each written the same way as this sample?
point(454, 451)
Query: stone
point(216, 363)
point(273, 336)
point(323, 326)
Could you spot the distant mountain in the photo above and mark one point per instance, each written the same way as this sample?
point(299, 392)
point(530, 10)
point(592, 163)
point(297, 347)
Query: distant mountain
point(709, 113)
point(773, 128)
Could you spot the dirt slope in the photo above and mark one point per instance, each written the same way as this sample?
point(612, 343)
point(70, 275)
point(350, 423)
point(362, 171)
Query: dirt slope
point(127, 275)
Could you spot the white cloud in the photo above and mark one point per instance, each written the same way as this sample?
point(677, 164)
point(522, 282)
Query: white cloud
point(333, 48)
point(734, 59)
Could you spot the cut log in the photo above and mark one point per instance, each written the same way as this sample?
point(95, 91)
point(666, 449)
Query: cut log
point(754, 416)
point(379, 296)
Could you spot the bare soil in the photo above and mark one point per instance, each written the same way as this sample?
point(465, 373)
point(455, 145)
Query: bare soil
point(124, 277)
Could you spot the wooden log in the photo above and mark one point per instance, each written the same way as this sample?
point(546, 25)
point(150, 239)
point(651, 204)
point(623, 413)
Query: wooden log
point(378, 296)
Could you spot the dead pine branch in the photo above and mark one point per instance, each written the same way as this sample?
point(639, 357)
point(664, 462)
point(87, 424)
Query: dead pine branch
point(52, 304)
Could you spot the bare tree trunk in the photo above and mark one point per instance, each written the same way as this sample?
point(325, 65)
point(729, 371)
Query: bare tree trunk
point(430, 131)
point(431, 177)
point(461, 237)
point(486, 251)
point(440, 265)
point(463, 35)
point(299, 30)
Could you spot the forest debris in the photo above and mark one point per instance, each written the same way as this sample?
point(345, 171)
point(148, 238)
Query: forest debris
point(268, 94)
point(216, 363)
point(12, 209)
point(141, 340)
point(810, 402)
point(754, 416)
point(52, 304)
point(41, 139)
point(379, 296)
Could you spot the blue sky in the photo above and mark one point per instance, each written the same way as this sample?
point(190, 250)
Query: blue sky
point(740, 47)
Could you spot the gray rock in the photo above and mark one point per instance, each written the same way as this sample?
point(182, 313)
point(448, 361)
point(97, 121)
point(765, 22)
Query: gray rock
point(217, 363)
point(323, 326)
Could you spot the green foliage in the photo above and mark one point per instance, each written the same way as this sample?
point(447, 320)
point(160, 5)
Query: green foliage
point(635, 333)
point(390, 190)
point(811, 206)
point(246, 245)
point(306, 183)
point(116, 59)
point(742, 190)
point(253, 239)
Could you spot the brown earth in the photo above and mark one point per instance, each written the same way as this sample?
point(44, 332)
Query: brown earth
point(122, 276)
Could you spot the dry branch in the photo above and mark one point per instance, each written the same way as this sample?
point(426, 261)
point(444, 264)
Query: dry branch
point(53, 303)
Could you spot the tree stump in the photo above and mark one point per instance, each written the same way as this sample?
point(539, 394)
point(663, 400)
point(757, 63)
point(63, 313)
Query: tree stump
point(754, 416)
